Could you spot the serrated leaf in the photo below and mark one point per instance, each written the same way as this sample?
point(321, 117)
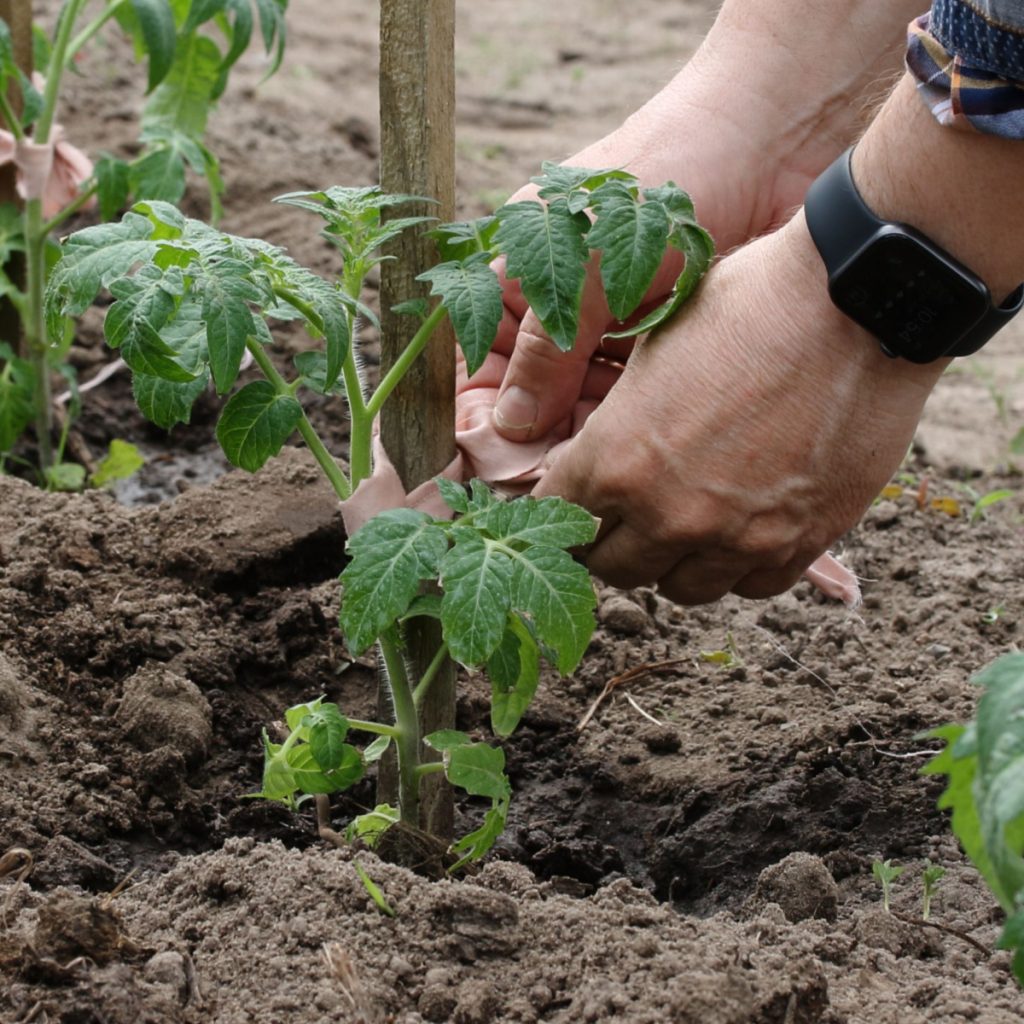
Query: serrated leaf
point(479, 769)
point(480, 495)
point(631, 238)
point(479, 842)
point(452, 493)
point(424, 605)
point(255, 424)
point(181, 102)
point(328, 728)
point(551, 522)
point(165, 402)
point(514, 669)
point(391, 554)
point(158, 174)
point(471, 293)
point(229, 324)
point(557, 594)
point(112, 185)
point(476, 577)
point(121, 461)
point(573, 184)
point(546, 250)
point(461, 239)
point(313, 368)
point(159, 34)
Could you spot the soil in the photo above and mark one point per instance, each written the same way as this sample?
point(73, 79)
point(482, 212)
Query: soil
point(699, 852)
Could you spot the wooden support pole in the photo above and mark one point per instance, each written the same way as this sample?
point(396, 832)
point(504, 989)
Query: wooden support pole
point(417, 114)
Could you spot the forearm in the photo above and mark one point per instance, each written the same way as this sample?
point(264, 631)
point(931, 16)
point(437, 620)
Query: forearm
point(963, 190)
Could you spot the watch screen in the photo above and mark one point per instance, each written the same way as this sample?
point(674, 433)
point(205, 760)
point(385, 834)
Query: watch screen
point(912, 298)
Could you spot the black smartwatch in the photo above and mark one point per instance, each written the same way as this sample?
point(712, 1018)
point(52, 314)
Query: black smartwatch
point(918, 300)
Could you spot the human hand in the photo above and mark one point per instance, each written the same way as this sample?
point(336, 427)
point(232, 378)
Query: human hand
point(743, 438)
point(767, 103)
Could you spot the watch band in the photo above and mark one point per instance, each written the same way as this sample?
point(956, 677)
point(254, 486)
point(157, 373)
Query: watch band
point(841, 223)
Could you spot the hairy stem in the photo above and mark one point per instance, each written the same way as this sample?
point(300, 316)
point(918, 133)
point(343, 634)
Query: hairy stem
point(407, 724)
point(323, 457)
point(436, 663)
point(35, 329)
point(404, 361)
point(378, 728)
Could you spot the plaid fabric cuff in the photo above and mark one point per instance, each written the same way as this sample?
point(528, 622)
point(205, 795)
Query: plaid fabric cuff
point(970, 87)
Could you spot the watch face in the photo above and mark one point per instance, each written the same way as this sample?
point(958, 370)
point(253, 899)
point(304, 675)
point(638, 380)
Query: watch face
point(915, 300)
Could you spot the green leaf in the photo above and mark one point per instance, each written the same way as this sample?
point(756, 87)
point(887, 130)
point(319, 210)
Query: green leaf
point(391, 554)
point(480, 495)
point(17, 397)
point(272, 26)
point(159, 35)
point(551, 522)
point(376, 750)
point(986, 501)
point(574, 183)
point(368, 828)
point(479, 769)
point(121, 461)
point(514, 669)
point(546, 250)
point(313, 367)
point(295, 717)
point(112, 185)
point(447, 739)
point(328, 728)
point(255, 424)
point(477, 843)
point(557, 594)
point(229, 324)
point(310, 778)
point(631, 238)
point(181, 102)
point(158, 174)
point(65, 476)
point(476, 577)
point(201, 11)
point(278, 780)
point(165, 402)
point(464, 238)
point(375, 891)
point(471, 293)
point(453, 494)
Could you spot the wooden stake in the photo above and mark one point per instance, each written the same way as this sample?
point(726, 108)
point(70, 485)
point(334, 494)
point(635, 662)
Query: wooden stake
point(417, 114)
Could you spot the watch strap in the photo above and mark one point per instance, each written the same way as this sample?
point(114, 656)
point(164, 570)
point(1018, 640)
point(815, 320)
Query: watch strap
point(840, 222)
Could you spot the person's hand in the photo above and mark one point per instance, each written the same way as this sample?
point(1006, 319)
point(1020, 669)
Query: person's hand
point(770, 99)
point(743, 438)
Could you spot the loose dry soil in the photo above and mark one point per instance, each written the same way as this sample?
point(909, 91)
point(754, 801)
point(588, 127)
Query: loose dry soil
point(699, 853)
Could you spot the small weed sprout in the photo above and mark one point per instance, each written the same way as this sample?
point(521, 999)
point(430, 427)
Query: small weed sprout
point(886, 872)
point(930, 878)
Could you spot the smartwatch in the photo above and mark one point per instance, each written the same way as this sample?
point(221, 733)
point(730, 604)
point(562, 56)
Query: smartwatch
point(920, 302)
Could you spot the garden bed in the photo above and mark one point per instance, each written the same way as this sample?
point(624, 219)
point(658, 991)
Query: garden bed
point(142, 649)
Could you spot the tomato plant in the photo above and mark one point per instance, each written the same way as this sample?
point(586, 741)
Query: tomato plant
point(190, 47)
point(190, 301)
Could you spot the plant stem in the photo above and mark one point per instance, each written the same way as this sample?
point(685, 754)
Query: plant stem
point(90, 30)
point(35, 246)
point(407, 724)
point(404, 361)
point(430, 675)
point(378, 728)
point(11, 120)
point(323, 457)
point(430, 768)
point(73, 207)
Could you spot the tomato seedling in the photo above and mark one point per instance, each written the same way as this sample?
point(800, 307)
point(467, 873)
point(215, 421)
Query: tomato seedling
point(886, 872)
point(190, 47)
point(189, 301)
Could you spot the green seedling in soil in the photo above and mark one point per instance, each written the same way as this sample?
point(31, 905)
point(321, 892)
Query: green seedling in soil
point(986, 501)
point(983, 762)
point(727, 657)
point(886, 872)
point(190, 47)
point(930, 879)
point(190, 300)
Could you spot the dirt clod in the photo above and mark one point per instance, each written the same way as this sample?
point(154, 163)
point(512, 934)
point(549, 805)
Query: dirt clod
point(801, 885)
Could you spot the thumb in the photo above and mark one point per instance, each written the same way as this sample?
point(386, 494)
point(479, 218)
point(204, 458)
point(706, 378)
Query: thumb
point(542, 383)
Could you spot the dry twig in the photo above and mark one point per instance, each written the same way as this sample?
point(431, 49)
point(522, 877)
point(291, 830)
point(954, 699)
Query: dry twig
point(625, 677)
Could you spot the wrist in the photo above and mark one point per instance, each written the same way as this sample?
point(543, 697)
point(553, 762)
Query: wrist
point(960, 189)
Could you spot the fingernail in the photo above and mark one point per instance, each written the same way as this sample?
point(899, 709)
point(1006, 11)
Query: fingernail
point(516, 409)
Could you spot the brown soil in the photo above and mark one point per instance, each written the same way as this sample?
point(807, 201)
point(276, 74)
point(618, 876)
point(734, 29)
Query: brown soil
point(699, 853)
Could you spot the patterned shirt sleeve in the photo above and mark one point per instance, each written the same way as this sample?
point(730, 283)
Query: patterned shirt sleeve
point(968, 59)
